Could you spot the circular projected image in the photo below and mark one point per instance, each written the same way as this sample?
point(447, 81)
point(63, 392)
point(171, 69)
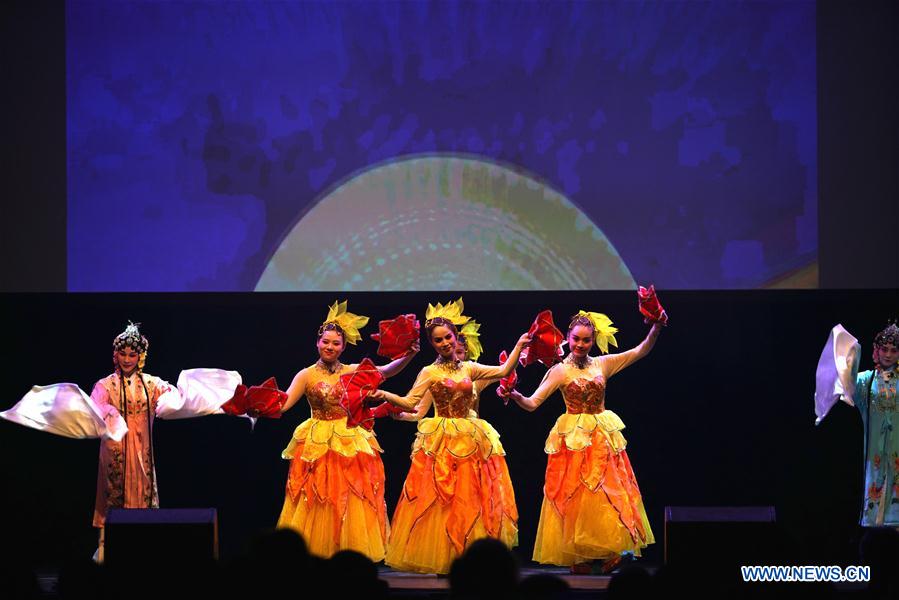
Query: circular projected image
point(440, 223)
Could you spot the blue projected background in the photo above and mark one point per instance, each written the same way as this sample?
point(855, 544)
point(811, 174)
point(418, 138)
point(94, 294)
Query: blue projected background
point(440, 145)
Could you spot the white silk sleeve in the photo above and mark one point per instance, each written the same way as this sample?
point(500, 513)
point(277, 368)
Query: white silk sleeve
point(199, 392)
point(64, 409)
point(836, 372)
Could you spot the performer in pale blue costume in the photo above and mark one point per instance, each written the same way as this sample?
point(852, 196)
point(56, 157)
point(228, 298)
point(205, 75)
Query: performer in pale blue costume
point(874, 393)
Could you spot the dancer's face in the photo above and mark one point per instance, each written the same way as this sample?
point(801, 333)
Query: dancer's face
point(461, 351)
point(127, 359)
point(887, 355)
point(580, 340)
point(444, 341)
point(330, 346)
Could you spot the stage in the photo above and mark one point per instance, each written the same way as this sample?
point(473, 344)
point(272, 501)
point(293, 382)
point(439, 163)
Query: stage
point(720, 414)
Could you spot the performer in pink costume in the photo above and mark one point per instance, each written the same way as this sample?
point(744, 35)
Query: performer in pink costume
point(121, 411)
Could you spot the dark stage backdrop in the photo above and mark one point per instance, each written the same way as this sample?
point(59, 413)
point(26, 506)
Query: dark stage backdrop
point(720, 413)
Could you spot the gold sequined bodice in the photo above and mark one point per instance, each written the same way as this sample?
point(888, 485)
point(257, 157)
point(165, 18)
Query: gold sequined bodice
point(451, 389)
point(584, 395)
point(584, 390)
point(452, 398)
point(323, 391)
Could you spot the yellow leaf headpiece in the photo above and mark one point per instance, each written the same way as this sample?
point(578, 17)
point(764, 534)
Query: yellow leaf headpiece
point(452, 313)
point(347, 321)
point(469, 334)
point(602, 329)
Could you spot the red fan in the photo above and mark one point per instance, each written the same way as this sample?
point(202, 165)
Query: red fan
point(380, 411)
point(650, 307)
point(237, 405)
point(546, 342)
point(264, 400)
point(395, 336)
point(357, 386)
point(506, 384)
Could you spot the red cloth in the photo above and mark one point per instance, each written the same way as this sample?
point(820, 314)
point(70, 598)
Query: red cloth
point(237, 405)
point(395, 336)
point(546, 342)
point(357, 386)
point(649, 305)
point(263, 400)
point(506, 384)
point(382, 410)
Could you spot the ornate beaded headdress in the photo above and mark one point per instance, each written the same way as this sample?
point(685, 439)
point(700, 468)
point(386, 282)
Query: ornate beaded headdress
point(348, 323)
point(131, 338)
point(889, 335)
point(602, 329)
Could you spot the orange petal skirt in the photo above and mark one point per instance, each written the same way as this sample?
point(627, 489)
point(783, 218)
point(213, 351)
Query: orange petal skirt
point(458, 490)
point(335, 489)
point(592, 508)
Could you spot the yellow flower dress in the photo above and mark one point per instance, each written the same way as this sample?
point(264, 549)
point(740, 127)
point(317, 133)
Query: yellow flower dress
point(335, 486)
point(458, 488)
point(592, 507)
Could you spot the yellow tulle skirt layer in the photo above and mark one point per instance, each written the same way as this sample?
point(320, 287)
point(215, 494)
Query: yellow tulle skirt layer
point(592, 507)
point(458, 490)
point(335, 489)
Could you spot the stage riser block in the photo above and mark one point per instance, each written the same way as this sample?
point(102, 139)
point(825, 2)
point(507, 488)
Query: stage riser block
point(721, 536)
point(180, 536)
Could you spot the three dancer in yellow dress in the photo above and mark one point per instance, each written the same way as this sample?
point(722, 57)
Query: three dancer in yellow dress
point(458, 487)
